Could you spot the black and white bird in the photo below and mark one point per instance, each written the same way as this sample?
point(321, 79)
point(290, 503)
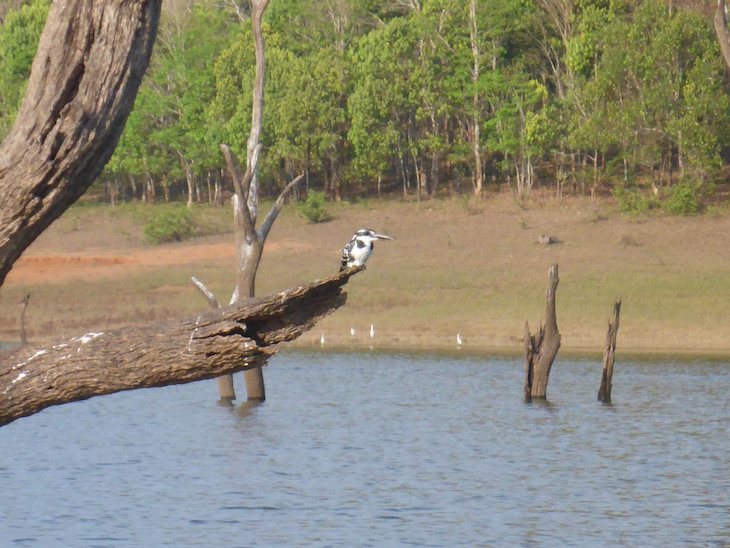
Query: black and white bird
point(358, 249)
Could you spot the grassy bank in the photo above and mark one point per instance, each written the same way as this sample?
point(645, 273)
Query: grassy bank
point(475, 269)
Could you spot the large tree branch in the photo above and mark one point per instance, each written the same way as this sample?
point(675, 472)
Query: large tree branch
point(276, 208)
point(241, 213)
point(212, 344)
point(90, 61)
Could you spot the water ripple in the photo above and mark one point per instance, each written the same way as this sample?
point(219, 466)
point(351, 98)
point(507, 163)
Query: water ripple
point(376, 449)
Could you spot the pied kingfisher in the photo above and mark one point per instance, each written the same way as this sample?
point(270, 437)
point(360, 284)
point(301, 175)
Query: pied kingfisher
point(358, 249)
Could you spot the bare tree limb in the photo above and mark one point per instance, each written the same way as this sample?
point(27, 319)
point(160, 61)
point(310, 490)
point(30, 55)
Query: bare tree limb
point(276, 208)
point(207, 293)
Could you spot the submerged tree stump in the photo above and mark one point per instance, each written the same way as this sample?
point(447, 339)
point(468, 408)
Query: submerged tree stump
point(223, 341)
point(604, 391)
point(542, 347)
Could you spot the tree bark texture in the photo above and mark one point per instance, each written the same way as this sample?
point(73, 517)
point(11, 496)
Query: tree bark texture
point(209, 345)
point(90, 61)
point(542, 347)
point(604, 391)
point(720, 21)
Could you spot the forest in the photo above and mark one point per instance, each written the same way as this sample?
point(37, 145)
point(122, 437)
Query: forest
point(421, 98)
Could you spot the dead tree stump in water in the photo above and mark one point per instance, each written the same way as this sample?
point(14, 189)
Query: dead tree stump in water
point(604, 392)
point(542, 347)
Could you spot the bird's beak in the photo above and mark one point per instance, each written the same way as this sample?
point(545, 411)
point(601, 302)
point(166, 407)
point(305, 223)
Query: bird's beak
point(382, 237)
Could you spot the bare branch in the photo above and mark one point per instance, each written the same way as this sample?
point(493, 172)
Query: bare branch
point(240, 213)
point(232, 169)
point(276, 208)
point(207, 293)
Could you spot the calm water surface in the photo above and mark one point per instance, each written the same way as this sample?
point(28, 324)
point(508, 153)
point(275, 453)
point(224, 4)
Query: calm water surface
point(382, 450)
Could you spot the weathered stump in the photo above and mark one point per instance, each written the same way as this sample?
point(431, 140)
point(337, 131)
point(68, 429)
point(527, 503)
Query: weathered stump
point(542, 347)
point(217, 343)
point(604, 391)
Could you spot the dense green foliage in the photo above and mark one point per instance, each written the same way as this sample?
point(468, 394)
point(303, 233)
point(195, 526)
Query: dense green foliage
point(314, 208)
point(173, 225)
point(585, 96)
point(19, 36)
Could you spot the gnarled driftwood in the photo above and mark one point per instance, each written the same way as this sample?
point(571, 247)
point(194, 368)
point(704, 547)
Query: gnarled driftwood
point(216, 343)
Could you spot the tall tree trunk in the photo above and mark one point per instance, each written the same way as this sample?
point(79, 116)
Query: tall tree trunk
point(476, 130)
point(248, 249)
point(435, 166)
point(208, 177)
point(90, 61)
point(189, 179)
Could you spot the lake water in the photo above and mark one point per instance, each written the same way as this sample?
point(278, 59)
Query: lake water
point(382, 449)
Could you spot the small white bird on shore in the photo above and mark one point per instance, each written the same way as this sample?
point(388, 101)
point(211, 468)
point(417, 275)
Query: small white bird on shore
point(321, 340)
point(458, 339)
point(372, 331)
point(352, 331)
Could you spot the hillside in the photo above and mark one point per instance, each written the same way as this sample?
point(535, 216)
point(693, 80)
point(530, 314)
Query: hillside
point(453, 267)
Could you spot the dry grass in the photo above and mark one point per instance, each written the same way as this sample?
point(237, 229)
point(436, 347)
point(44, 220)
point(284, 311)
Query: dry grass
point(455, 266)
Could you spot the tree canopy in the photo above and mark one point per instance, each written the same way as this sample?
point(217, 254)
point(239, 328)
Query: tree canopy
point(361, 91)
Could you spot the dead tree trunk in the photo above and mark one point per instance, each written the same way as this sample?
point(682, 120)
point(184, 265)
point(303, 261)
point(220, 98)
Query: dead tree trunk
point(249, 247)
point(90, 61)
point(604, 391)
point(720, 21)
point(175, 352)
point(249, 241)
point(542, 347)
